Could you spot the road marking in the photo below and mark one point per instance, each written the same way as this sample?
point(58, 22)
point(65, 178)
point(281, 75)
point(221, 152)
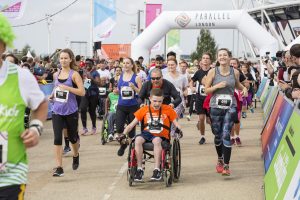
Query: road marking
point(112, 187)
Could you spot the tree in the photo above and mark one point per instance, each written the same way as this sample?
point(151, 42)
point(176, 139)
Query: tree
point(205, 43)
point(27, 48)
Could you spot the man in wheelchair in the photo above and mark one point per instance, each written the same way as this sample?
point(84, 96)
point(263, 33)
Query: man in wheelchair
point(157, 119)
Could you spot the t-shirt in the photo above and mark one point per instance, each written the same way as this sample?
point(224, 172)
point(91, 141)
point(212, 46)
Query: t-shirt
point(113, 101)
point(249, 77)
point(104, 73)
point(198, 76)
point(142, 75)
point(179, 82)
point(168, 115)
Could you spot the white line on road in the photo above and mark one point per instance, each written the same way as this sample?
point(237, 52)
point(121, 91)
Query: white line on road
point(116, 180)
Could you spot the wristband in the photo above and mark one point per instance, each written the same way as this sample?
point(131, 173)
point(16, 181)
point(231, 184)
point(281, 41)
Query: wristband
point(36, 125)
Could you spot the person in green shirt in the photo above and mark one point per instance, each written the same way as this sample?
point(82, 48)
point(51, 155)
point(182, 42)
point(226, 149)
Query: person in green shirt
point(18, 90)
point(110, 111)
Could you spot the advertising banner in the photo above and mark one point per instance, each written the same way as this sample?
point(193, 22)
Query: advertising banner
point(285, 161)
point(116, 51)
point(152, 11)
point(275, 135)
point(12, 9)
point(265, 95)
point(270, 102)
point(261, 87)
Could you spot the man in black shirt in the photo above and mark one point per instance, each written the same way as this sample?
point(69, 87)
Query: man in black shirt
point(157, 81)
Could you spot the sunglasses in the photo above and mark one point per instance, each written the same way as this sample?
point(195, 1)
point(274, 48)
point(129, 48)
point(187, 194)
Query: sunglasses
point(155, 78)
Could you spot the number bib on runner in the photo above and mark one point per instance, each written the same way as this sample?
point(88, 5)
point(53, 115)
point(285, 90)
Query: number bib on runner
point(127, 93)
point(202, 90)
point(102, 91)
point(224, 101)
point(154, 126)
point(3, 150)
point(87, 83)
point(61, 95)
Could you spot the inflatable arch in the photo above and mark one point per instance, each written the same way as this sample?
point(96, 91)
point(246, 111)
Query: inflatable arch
point(225, 19)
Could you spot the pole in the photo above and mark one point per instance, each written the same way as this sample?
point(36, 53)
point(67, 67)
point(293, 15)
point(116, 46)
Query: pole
point(138, 22)
point(91, 53)
point(49, 20)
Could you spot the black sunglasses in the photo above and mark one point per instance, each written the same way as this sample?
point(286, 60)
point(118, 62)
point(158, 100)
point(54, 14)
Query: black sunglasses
point(155, 78)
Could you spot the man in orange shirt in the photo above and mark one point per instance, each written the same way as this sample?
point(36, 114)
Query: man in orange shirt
point(157, 119)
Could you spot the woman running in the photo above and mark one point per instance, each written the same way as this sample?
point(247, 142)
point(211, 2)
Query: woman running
point(67, 84)
point(221, 82)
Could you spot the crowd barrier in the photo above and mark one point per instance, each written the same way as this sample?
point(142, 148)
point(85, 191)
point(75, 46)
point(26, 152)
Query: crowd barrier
point(280, 140)
point(47, 90)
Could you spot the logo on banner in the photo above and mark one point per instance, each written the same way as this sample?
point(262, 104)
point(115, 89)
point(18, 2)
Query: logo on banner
point(183, 20)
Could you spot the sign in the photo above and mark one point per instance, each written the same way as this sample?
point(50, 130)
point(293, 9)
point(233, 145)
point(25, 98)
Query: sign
point(12, 9)
point(152, 11)
point(285, 161)
point(115, 51)
point(270, 102)
point(261, 87)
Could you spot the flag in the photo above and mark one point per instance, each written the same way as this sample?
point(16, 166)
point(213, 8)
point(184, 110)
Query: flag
point(12, 9)
point(173, 39)
point(152, 11)
point(104, 18)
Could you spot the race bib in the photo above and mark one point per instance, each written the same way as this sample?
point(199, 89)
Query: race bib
point(3, 150)
point(87, 83)
point(224, 101)
point(202, 90)
point(154, 127)
point(61, 95)
point(127, 93)
point(102, 91)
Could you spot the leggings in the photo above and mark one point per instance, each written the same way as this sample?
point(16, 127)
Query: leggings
point(222, 121)
point(123, 114)
point(59, 122)
point(88, 104)
point(247, 100)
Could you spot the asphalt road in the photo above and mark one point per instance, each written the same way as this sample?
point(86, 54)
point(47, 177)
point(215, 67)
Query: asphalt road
point(103, 175)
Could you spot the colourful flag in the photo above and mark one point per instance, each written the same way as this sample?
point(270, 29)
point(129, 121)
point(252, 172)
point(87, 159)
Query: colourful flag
point(152, 11)
point(104, 19)
point(12, 9)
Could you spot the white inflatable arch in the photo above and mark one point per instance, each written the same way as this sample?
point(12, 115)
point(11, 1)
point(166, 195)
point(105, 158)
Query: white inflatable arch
point(229, 19)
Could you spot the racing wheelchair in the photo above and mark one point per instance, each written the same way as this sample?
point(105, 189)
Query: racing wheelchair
point(170, 159)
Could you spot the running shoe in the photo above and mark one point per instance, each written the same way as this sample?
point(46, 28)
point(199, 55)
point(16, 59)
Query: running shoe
point(139, 175)
point(156, 175)
point(66, 150)
point(238, 141)
point(84, 131)
point(252, 109)
point(75, 163)
point(188, 117)
point(226, 171)
point(220, 166)
point(232, 141)
point(202, 141)
point(244, 115)
point(122, 149)
point(110, 137)
point(58, 172)
point(94, 131)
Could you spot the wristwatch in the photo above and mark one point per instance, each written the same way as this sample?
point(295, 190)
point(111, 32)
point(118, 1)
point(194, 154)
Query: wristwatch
point(38, 127)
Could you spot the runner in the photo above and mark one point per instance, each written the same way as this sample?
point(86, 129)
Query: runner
point(68, 84)
point(129, 86)
point(200, 94)
point(18, 89)
point(221, 82)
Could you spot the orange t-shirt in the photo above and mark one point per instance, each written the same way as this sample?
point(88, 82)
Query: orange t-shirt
point(168, 115)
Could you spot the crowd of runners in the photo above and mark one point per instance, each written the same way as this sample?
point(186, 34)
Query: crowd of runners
point(127, 92)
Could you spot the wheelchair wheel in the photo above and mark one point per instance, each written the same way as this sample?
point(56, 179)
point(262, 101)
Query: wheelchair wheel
point(132, 165)
point(168, 171)
point(104, 133)
point(176, 159)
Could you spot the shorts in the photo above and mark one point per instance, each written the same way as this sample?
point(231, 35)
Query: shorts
point(148, 136)
point(13, 192)
point(199, 105)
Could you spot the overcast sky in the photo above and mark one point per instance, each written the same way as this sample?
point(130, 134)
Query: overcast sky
point(73, 24)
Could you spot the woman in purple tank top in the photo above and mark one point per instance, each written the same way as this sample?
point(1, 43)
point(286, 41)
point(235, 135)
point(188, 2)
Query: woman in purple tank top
point(68, 84)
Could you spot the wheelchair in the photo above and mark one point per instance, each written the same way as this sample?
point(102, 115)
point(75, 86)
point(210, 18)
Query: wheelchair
point(170, 159)
point(104, 130)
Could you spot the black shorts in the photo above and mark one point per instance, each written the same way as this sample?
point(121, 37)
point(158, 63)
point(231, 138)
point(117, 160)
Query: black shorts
point(13, 192)
point(199, 105)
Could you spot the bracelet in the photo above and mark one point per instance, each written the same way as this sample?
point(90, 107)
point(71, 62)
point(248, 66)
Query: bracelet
point(36, 125)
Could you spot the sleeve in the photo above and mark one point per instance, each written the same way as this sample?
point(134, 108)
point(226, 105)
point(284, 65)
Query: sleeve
point(95, 74)
point(30, 90)
point(242, 76)
point(140, 113)
point(195, 77)
point(143, 91)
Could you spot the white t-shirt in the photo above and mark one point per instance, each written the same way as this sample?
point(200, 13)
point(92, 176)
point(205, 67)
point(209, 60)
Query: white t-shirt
point(29, 88)
point(104, 73)
point(142, 75)
point(180, 82)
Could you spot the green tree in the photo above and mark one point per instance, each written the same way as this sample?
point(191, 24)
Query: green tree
point(205, 43)
point(27, 48)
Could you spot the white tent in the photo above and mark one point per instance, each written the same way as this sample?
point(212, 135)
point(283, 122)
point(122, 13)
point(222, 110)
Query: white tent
point(295, 41)
point(28, 55)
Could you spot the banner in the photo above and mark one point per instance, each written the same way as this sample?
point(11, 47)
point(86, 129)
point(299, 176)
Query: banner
point(285, 161)
point(273, 136)
point(104, 18)
point(265, 94)
point(173, 39)
point(116, 51)
point(270, 102)
point(261, 87)
point(13, 9)
point(152, 11)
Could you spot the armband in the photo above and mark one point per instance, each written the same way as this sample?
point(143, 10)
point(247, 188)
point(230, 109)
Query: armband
point(36, 125)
